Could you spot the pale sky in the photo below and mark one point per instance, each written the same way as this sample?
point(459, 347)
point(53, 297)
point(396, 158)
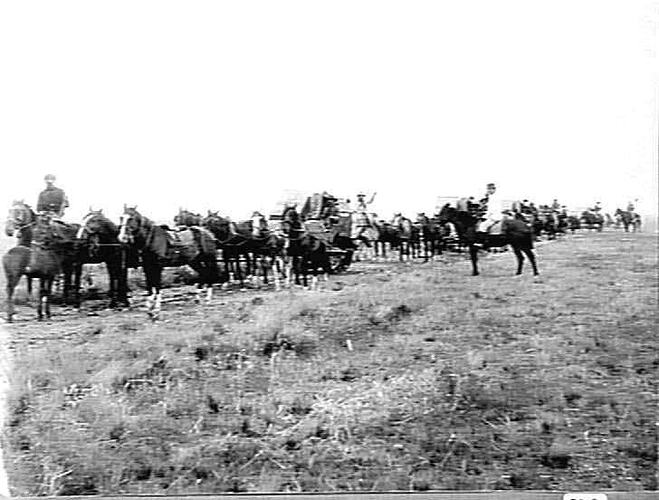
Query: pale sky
point(224, 105)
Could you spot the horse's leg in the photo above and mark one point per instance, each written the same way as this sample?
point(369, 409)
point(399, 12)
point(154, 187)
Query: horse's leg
point(520, 258)
point(77, 274)
point(12, 281)
point(42, 298)
point(274, 266)
point(158, 289)
point(531, 256)
point(112, 267)
point(239, 272)
point(304, 270)
point(314, 277)
point(197, 265)
point(123, 277)
point(49, 289)
point(473, 253)
point(29, 289)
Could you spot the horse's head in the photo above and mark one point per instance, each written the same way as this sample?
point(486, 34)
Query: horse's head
point(96, 224)
point(422, 219)
point(20, 215)
point(132, 223)
point(218, 225)
point(446, 214)
point(187, 218)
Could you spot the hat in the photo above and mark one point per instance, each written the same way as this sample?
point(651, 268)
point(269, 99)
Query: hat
point(491, 185)
point(49, 177)
point(361, 194)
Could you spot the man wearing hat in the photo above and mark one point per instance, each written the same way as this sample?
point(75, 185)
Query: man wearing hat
point(52, 199)
point(493, 209)
point(362, 204)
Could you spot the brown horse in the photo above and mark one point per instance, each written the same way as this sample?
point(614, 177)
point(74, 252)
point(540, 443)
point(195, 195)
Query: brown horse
point(432, 235)
point(161, 248)
point(53, 251)
point(98, 238)
point(628, 219)
point(408, 237)
point(20, 220)
point(515, 233)
point(269, 247)
point(235, 246)
point(307, 252)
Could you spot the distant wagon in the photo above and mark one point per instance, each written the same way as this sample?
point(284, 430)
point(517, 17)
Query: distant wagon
point(325, 218)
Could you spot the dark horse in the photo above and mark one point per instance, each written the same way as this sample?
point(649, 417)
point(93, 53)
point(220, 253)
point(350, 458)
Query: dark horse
point(53, 251)
point(515, 233)
point(99, 242)
point(235, 242)
point(387, 234)
point(19, 223)
point(628, 219)
point(306, 251)
point(269, 246)
point(432, 235)
point(408, 237)
point(161, 248)
point(591, 219)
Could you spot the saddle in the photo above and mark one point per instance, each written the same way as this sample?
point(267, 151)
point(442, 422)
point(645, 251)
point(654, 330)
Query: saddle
point(494, 229)
point(175, 245)
point(180, 238)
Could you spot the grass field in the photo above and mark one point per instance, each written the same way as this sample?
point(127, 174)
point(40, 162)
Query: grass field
point(392, 377)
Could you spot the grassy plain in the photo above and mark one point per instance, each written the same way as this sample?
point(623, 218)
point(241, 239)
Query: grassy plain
point(392, 377)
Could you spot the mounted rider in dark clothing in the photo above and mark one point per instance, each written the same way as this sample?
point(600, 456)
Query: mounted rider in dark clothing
point(52, 199)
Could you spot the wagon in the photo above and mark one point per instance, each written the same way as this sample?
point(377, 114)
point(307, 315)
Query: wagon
point(331, 226)
point(340, 258)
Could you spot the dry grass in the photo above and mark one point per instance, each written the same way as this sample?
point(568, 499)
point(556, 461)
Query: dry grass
point(404, 377)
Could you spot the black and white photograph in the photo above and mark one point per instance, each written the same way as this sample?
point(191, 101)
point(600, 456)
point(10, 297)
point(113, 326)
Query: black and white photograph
point(364, 248)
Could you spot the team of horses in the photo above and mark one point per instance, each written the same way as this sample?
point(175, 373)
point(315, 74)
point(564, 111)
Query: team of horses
point(286, 250)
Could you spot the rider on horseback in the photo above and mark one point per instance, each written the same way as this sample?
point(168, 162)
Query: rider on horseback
point(555, 206)
point(362, 204)
point(52, 200)
point(491, 208)
point(361, 219)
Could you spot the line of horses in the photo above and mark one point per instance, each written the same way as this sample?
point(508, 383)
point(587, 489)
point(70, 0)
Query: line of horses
point(48, 248)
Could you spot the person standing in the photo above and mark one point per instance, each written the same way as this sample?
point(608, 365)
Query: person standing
point(52, 199)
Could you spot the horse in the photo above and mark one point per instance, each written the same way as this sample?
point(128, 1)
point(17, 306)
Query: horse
point(187, 218)
point(549, 223)
point(573, 223)
point(307, 253)
point(269, 247)
point(431, 236)
point(19, 223)
point(53, 251)
point(98, 236)
point(592, 220)
point(161, 248)
point(233, 244)
point(387, 235)
point(515, 233)
point(408, 237)
point(628, 219)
